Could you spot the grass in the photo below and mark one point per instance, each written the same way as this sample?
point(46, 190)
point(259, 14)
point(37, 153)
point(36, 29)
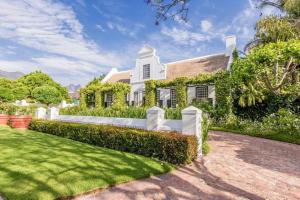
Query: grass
point(283, 137)
point(35, 165)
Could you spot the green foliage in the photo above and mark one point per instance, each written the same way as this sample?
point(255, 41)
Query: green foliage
point(181, 92)
point(126, 112)
point(223, 95)
point(96, 81)
point(221, 80)
point(119, 91)
point(150, 93)
point(38, 79)
point(292, 7)
point(267, 76)
point(6, 94)
point(7, 108)
point(284, 122)
point(47, 94)
point(171, 147)
point(20, 93)
point(274, 29)
point(205, 127)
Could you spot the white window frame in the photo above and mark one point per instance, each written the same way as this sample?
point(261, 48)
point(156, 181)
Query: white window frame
point(201, 92)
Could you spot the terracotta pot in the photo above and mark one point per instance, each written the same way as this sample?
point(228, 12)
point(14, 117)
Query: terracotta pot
point(20, 121)
point(3, 119)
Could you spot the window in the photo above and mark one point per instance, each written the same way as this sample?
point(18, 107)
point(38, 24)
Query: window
point(108, 99)
point(136, 98)
point(146, 71)
point(173, 98)
point(202, 92)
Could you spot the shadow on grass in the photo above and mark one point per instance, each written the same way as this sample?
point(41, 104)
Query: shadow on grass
point(40, 166)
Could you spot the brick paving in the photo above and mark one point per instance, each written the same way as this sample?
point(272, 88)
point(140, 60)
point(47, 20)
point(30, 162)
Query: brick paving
point(238, 167)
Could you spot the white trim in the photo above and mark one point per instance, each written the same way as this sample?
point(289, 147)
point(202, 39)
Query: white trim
point(201, 57)
point(109, 75)
point(112, 72)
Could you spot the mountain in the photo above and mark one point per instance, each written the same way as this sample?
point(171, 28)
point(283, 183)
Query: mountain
point(73, 88)
point(10, 75)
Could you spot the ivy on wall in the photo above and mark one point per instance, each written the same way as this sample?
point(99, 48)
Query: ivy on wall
point(119, 91)
point(220, 79)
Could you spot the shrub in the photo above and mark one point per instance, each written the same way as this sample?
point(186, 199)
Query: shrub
point(6, 95)
point(7, 108)
point(128, 112)
point(283, 121)
point(170, 147)
point(47, 94)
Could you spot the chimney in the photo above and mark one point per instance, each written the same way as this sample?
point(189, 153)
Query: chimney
point(230, 44)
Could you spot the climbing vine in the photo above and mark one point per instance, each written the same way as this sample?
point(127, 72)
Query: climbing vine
point(119, 91)
point(220, 79)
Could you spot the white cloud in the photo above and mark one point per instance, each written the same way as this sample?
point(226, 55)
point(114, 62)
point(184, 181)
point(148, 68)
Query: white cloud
point(124, 29)
point(183, 36)
point(99, 27)
point(206, 25)
point(51, 27)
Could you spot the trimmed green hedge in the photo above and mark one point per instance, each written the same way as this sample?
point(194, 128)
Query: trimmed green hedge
point(170, 147)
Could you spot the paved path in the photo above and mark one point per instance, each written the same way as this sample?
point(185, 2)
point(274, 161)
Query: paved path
point(238, 167)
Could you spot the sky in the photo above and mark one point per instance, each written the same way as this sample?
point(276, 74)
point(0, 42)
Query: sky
point(77, 40)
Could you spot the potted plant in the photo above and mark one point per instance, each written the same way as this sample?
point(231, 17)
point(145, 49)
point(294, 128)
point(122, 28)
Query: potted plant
point(22, 118)
point(3, 114)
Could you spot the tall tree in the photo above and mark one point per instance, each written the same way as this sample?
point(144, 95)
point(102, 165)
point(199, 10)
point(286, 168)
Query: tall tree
point(277, 28)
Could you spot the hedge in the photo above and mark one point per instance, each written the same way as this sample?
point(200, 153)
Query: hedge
point(166, 146)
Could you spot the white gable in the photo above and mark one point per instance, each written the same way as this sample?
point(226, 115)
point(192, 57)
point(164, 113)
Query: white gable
point(147, 56)
point(146, 51)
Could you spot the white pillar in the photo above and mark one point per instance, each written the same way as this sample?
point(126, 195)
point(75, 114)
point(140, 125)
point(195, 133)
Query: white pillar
point(40, 113)
point(53, 113)
point(192, 124)
point(155, 118)
point(63, 104)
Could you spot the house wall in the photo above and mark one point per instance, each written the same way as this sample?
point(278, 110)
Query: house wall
point(191, 93)
point(146, 55)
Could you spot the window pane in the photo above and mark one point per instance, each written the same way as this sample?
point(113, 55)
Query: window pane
point(146, 71)
point(202, 91)
point(173, 98)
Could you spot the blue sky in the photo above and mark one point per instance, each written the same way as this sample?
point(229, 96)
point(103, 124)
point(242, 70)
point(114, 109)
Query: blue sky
point(76, 40)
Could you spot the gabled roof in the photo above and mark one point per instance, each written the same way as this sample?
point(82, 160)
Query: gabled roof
point(196, 66)
point(123, 76)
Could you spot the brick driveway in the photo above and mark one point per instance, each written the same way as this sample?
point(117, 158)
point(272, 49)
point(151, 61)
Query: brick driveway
point(238, 167)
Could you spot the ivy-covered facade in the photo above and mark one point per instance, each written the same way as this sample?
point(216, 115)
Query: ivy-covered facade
point(175, 85)
point(103, 95)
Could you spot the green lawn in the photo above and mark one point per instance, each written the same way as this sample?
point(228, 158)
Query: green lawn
point(283, 137)
point(35, 165)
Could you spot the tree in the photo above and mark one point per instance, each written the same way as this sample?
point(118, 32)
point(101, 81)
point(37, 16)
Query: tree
point(277, 28)
point(96, 81)
point(273, 68)
point(169, 9)
point(47, 95)
point(38, 79)
point(20, 92)
point(6, 94)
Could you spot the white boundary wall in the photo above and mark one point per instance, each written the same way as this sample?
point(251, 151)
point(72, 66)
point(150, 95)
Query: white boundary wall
point(191, 123)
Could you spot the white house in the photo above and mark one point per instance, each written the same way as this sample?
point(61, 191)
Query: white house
point(149, 67)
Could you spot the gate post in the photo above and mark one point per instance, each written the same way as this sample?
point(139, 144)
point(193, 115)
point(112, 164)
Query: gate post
point(192, 124)
point(155, 118)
